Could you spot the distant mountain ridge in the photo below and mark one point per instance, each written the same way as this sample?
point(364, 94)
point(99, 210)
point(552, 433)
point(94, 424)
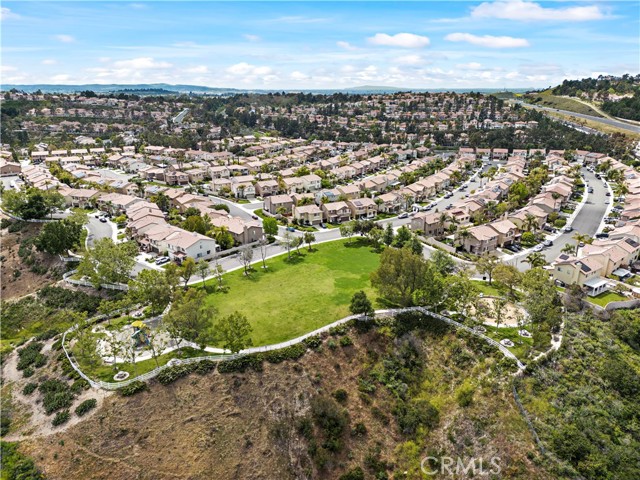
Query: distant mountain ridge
point(167, 89)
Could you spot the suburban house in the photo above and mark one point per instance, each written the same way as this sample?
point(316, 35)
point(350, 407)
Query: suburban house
point(9, 168)
point(390, 203)
point(308, 214)
point(264, 188)
point(583, 272)
point(480, 239)
point(363, 208)
point(275, 202)
point(336, 212)
point(429, 223)
point(507, 231)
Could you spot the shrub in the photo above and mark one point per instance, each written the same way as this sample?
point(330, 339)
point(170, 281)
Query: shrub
point(359, 430)
point(30, 355)
point(134, 387)
point(46, 335)
point(292, 352)
point(5, 222)
point(57, 395)
point(340, 395)
point(355, 473)
point(416, 413)
point(60, 418)
point(58, 297)
point(339, 329)
point(85, 406)
point(346, 341)
point(28, 372)
point(464, 395)
point(29, 388)
point(205, 366)
point(331, 419)
point(313, 342)
point(171, 374)
point(16, 466)
point(17, 226)
point(241, 364)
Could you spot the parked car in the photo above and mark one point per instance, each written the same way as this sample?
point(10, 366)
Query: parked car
point(602, 235)
point(103, 219)
point(547, 243)
point(255, 217)
point(537, 248)
point(291, 229)
point(403, 215)
point(162, 260)
point(608, 194)
point(322, 225)
point(567, 229)
point(590, 190)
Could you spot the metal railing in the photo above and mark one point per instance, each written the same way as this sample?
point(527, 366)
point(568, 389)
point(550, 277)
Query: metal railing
point(267, 348)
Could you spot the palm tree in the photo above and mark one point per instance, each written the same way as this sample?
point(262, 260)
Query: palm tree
point(580, 238)
point(621, 189)
point(530, 222)
point(536, 259)
point(568, 248)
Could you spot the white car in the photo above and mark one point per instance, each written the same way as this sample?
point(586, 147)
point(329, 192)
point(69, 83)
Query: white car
point(537, 248)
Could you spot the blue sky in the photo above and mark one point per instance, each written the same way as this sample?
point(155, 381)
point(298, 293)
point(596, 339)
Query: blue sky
point(492, 44)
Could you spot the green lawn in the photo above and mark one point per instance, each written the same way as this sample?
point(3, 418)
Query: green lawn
point(487, 289)
point(294, 297)
point(605, 298)
point(522, 344)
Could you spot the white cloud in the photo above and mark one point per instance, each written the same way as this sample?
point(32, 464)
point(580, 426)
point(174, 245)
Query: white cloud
point(7, 68)
point(531, 11)
point(402, 40)
point(49, 61)
point(410, 60)
point(470, 65)
point(251, 38)
point(7, 14)
point(346, 45)
point(299, 76)
point(60, 78)
point(138, 6)
point(488, 41)
point(64, 38)
point(246, 69)
point(141, 63)
point(198, 69)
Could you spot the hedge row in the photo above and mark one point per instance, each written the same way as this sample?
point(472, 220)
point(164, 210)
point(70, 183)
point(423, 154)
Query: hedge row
point(85, 406)
point(134, 387)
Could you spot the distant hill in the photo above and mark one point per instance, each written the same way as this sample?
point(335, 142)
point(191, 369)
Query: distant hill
point(167, 89)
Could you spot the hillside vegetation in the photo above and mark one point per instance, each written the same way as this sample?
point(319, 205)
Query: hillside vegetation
point(584, 398)
point(366, 402)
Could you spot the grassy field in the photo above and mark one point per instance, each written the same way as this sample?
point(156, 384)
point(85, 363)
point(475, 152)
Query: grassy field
point(602, 127)
point(605, 298)
point(561, 103)
point(294, 297)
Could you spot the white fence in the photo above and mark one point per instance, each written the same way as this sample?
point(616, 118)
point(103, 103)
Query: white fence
point(85, 283)
point(223, 357)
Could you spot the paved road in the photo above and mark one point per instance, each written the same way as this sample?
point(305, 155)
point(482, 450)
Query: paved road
point(586, 221)
point(235, 209)
point(608, 121)
point(98, 230)
point(178, 118)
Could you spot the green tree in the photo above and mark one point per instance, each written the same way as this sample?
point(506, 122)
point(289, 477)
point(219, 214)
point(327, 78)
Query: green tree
point(402, 237)
point(108, 262)
point(270, 226)
point(443, 262)
point(361, 305)
point(399, 275)
point(187, 269)
point(536, 259)
point(58, 237)
point(346, 230)
point(235, 332)
point(203, 269)
point(508, 277)
point(309, 238)
point(486, 264)
point(190, 319)
point(415, 245)
point(388, 236)
point(151, 288)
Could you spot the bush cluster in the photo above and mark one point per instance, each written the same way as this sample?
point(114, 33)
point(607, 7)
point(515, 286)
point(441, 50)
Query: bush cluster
point(171, 374)
point(134, 387)
point(31, 356)
point(241, 364)
point(57, 395)
point(292, 352)
point(313, 342)
point(29, 388)
point(58, 297)
point(60, 418)
point(85, 406)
